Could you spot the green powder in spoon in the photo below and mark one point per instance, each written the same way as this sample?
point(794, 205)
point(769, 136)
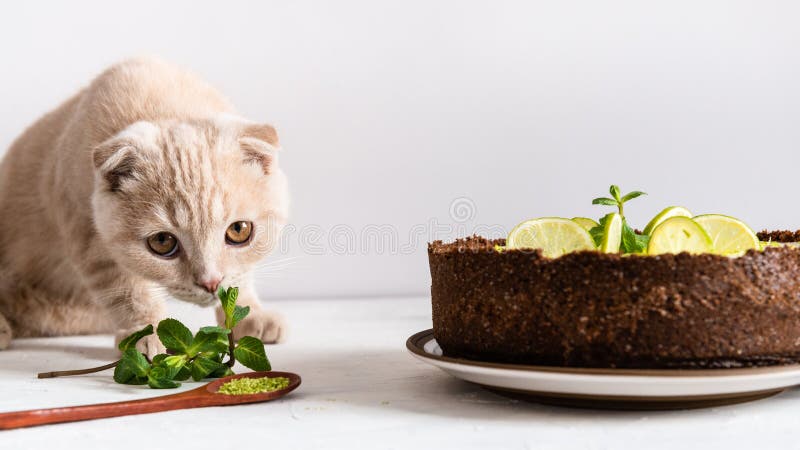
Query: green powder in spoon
point(243, 386)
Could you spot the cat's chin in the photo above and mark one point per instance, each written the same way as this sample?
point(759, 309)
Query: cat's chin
point(198, 298)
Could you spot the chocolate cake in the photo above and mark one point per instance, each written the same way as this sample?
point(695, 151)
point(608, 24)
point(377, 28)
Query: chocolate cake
point(591, 309)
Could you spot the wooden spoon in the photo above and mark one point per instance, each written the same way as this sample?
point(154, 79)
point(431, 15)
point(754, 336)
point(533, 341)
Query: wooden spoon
point(205, 395)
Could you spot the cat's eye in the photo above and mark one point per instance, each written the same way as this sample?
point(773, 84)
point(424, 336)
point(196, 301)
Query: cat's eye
point(163, 244)
point(238, 233)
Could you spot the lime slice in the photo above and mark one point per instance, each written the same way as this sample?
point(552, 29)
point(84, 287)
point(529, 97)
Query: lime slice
point(585, 222)
point(612, 234)
point(672, 211)
point(679, 234)
point(728, 235)
point(554, 235)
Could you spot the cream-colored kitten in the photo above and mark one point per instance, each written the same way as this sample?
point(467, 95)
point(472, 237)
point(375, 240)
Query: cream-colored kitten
point(143, 185)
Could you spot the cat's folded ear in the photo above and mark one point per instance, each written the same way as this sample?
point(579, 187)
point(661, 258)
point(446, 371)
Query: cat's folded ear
point(259, 142)
point(115, 159)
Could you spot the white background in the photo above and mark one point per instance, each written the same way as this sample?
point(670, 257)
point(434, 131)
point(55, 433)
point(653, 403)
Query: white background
point(389, 111)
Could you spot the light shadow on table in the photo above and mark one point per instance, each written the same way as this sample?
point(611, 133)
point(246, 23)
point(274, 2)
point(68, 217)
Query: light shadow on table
point(373, 379)
point(31, 356)
point(395, 380)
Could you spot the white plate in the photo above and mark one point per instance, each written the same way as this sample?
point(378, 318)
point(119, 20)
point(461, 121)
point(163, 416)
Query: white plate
point(612, 388)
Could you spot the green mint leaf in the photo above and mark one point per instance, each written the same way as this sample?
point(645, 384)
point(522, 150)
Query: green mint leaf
point(132, 368)
point(215, 329)
point(175, 366)
point(161, 378)
point(223, 371)
point(130, 341)
point(135, 362)
point(628, 244)
point(162, 383)
point(614, 191)
point(632, 195)
point(158, 372)
point(222, 294)
point(171, 367)
point(184, 374)
point(125, 374)
point(632, 242)
point(605, 201)
point(599, 231)
point(250, 352)
point(175, 362)
point(214, 342)
point(239, 313)
point(228, 300)
point(122, 375)
point(216, 356)
point(202, 367)
point(233, 294)
point(597, 234)
point(641, 242)
point(174, 335)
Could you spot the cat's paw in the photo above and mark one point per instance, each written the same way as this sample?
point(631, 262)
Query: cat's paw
point(149, 345)
point(268, 326)
point(5, 333)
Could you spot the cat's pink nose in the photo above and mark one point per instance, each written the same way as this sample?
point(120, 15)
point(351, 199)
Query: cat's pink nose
point(210, 285)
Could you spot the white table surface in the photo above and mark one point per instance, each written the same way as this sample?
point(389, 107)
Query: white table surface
point(361, 389)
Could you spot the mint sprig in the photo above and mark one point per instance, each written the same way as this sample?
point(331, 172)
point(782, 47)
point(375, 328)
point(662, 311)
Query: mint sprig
point(632, 242)
point(618, 200)
point(195, 356)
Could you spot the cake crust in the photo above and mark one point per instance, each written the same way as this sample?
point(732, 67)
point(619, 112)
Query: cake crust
point(590, 309)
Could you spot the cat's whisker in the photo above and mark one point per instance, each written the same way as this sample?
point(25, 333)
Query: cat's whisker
point(281, 264)
point(276, 266)
point(276, 261)
point(272, 269)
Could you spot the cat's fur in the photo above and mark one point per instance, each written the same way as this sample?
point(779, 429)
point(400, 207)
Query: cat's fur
point(147, 147)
